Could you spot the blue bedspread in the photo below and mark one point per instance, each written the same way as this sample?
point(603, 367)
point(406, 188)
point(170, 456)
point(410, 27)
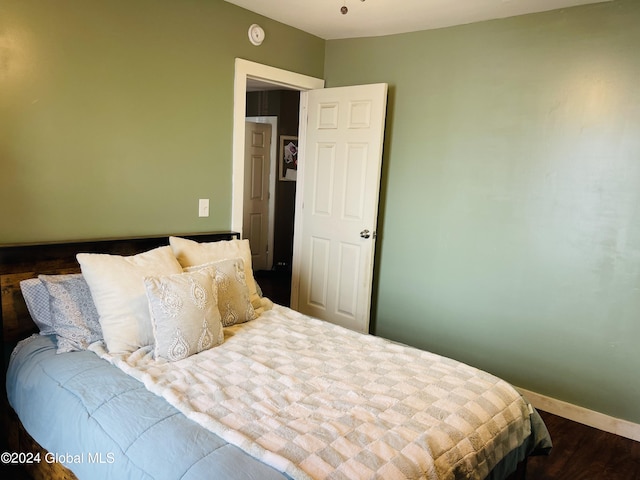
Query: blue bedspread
point(130, 434)
point(103, 424)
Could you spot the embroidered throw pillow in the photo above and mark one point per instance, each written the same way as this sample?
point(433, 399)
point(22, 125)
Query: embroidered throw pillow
point(191, 253)
point(234, 302)
point(73, 313)
point(184, 313)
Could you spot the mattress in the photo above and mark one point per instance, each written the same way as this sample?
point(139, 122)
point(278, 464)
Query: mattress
point(103, 423)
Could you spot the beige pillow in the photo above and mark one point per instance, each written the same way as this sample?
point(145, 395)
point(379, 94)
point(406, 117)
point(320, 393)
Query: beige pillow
point(234, 302)
point(190, 253)
point(118, 291)
point(184, 313)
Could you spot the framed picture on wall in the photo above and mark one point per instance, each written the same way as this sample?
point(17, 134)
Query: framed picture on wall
point(288, 163)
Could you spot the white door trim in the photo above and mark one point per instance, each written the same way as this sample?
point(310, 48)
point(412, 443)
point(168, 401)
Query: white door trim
point(245, 69)
point(297, 222)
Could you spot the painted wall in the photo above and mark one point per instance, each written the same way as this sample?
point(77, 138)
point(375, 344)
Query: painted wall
point(510, 214)
point(116, 116)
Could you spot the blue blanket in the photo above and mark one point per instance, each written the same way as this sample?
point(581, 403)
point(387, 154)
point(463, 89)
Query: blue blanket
point(129, 433)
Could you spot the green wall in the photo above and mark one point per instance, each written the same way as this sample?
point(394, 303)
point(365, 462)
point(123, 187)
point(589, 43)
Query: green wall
point(116, 116)
point(510, 214)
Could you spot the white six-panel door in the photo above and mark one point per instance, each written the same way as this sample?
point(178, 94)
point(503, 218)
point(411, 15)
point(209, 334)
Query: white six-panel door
point(341, 140)
point(255, 224)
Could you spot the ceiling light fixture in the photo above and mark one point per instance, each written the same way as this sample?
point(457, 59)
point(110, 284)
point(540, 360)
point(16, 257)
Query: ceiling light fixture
point(344, 10)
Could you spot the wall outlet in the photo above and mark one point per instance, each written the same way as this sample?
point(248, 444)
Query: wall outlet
point(203, 207)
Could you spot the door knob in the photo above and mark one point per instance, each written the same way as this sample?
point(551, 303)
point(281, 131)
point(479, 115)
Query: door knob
point(365, 234)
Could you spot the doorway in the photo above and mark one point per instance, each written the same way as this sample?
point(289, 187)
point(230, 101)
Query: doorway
point(272, 254)
point(363, 109)
point(282, 108)
point(246, 71)
point(250, 76)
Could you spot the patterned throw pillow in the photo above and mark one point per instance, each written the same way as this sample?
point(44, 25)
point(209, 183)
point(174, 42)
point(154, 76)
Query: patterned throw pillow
point(191, 253)
point(184, 313)
point(73, 313)
point(234, 301)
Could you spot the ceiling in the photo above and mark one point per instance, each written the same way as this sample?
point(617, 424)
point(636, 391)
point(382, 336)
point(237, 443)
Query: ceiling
point(371, 18)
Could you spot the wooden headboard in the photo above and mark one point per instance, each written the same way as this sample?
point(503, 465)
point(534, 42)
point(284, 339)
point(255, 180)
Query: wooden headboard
point(22, 261)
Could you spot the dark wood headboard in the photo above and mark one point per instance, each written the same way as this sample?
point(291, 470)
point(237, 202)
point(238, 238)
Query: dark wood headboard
point(22, 261)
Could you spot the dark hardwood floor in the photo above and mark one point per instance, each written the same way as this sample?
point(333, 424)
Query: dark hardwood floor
point(584, 453)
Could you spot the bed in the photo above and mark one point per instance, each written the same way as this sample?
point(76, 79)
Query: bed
point(248, 389)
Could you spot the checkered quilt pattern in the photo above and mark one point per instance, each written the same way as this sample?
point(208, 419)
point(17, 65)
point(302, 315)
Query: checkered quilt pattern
point(317, 401)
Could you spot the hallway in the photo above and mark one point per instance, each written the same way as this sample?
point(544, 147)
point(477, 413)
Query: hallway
point(275, 285)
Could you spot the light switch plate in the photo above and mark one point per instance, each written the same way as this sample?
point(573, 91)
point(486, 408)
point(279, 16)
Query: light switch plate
point(203, 207)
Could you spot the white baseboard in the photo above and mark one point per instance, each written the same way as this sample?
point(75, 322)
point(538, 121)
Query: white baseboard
point(583, 415)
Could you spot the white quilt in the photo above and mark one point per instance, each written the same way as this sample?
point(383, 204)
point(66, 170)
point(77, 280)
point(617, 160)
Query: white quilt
point(315, 400)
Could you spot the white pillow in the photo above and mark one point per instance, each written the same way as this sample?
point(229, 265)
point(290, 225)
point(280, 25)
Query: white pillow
point(190, 253)
point(184, 313)
point(118, 291)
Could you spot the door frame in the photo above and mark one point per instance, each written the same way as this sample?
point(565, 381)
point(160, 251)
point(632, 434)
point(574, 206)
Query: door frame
point(245, 69)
